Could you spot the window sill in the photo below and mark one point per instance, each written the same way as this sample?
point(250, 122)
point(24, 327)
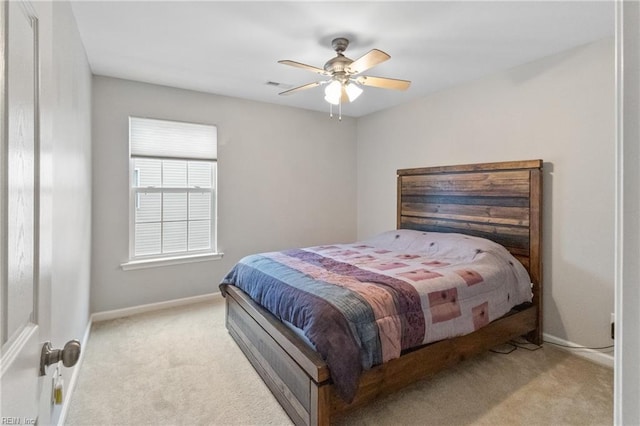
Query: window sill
point(166, 261)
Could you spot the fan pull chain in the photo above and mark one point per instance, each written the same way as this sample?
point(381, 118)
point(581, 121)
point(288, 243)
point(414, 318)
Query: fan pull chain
point(339, 111)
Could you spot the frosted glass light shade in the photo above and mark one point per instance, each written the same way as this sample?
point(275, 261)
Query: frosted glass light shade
point(333, 92)
point(353, 91)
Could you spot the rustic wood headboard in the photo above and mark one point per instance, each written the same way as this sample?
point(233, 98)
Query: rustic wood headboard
point(498, 201)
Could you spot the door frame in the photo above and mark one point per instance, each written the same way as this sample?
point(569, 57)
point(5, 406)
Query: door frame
point(627, 229)
point(3, 160)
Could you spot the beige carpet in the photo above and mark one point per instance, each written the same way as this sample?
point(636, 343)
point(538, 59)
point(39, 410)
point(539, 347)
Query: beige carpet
point(180, 367)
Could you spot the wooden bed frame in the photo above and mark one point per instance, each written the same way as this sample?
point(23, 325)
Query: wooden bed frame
point(498, 201)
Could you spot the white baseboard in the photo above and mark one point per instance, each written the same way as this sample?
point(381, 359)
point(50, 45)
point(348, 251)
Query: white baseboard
point(125, 312)
point(593, 355)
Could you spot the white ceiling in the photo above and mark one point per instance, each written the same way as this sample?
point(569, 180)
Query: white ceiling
point(232, 48)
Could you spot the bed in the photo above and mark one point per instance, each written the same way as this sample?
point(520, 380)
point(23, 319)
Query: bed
point(500, 202)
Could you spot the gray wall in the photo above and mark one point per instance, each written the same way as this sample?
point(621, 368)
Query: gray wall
point(286, 178)
point(559, 109)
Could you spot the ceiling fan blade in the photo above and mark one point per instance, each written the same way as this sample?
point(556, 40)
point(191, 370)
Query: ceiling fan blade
point(366, 61)
point(300, 88)
point(383, 83)
point(304, 66)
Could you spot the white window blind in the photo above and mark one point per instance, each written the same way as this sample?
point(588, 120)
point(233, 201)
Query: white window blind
point(149, 137)
point(173, 194)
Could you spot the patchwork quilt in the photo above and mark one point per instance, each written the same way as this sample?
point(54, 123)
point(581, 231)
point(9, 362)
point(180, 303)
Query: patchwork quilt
point(361, 304)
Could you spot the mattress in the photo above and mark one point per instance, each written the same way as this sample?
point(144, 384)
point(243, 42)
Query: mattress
point(361, 304)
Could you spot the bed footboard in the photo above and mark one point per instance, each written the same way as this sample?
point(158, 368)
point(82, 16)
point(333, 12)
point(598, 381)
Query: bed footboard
point(300, 380)
point(302, 390)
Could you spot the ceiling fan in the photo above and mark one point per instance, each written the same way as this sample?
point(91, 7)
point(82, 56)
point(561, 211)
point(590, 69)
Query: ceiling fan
point(344, 82)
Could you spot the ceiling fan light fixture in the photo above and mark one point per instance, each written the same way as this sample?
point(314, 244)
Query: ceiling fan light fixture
point(345, 82)
point(333, 92)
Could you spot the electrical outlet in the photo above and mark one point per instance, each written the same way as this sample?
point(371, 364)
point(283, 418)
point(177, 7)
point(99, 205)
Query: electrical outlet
point(613, 322)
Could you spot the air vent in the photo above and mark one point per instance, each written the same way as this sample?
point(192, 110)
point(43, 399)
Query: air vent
point(280, 85)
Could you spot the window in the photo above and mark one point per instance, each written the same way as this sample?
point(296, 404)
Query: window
point(172, 191)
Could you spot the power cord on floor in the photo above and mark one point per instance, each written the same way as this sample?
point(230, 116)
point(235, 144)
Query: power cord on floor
point(514, 345)
point(579, 347)
point(505, 352)
point(523, 344)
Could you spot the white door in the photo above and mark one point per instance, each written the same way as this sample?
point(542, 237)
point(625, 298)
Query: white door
point(24, 312)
